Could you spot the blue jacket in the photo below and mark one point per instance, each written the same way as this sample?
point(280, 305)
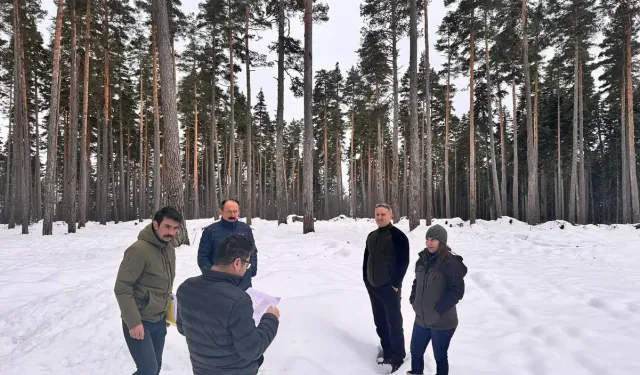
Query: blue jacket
point(211, 237)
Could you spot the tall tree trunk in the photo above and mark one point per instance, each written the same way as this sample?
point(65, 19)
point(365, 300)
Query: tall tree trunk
point(84, 143)
point(472, 142)
point(516, 186)
point(72, 163)
point(492, 142)
point(447, 116)
point(560, 191)
point(339, 202)
point(170, 117)
point(157, 181)
point(141, 214)
point(50, 175)
point(23, 164)
point(573, 191)
point(396, 115)
point(533, 216)
point(123, 198)
point(307, 186)
point(213, 139)
point(325, 174)
point(187, 172)
point(9, 189)
point(112, 169)
point(233, 189)
point(196, 201)
point(104, 168)
point(380, 154)
point(635, 200)
point(625, 190)
point(352, 170)
point(414, 218)
point(429, 131)
point(503, 161)
point(583, 208)
point(280, 183)
point(38, 165)
point(250, 179)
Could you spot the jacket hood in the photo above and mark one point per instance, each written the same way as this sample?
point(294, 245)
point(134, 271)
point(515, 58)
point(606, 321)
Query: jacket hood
point(148, 234)
point(454, 261)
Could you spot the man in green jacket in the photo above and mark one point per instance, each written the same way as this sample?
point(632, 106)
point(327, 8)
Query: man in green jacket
point(143, 289)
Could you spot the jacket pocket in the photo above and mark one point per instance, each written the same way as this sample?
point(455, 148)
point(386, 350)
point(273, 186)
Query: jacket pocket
point(156, 305)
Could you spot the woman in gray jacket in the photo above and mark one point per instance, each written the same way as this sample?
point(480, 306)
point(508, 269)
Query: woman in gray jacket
point(437, 288)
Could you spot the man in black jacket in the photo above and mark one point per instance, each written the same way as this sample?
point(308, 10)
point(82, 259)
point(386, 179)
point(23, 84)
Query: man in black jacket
point(386, 259)
point(216, 316)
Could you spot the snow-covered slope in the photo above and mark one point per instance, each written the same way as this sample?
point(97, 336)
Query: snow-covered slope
point(539, 300)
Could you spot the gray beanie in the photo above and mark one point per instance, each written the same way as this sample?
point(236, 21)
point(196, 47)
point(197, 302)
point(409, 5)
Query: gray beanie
point(437, 232)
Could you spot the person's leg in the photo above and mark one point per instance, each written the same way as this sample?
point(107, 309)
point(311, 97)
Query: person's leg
point(419, 341)
point(380, 320)
point(441, 339)
point(158, 334)
point(394, 322)
point(142, 351)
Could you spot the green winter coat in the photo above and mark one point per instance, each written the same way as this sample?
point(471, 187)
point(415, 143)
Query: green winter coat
point(434, 295)
point(145, 279)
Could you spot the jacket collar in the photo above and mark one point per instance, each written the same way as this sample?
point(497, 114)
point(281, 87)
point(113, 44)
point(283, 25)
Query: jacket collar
point(148, 234)
point(227, 224)
point(217, 276)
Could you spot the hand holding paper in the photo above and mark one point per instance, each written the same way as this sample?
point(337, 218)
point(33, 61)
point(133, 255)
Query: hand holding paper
point(262, 303)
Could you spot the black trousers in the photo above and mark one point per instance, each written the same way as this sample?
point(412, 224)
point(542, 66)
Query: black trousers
point(385, 303)
point(147, 353)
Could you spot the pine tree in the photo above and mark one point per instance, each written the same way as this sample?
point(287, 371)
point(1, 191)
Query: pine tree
point(174, 191)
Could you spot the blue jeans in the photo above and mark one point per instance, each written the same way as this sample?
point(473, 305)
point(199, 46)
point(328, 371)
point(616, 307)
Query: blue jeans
point(420, 340)
point(147, 353)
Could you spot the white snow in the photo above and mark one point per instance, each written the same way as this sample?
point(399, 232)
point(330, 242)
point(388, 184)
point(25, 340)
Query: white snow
point(539, 300)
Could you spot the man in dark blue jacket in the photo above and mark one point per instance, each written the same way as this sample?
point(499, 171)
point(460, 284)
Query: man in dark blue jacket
point(216, 316)
point(216, 232)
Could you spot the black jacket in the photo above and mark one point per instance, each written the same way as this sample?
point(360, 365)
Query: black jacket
point(216, 232)
point(434, 296)
point(386, 257)
point(216, 317)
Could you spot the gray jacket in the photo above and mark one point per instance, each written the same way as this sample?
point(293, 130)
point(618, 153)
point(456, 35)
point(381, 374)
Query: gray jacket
point(216, 317)
point(434, 295)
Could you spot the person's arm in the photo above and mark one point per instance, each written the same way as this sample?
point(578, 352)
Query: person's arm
point(254, 254)
point(250, 341)
point(412, 297)
point(205, 250)
point(454, 289)
point(178, 318)
point(131, 268)
point(401, 244)
point(364, 263)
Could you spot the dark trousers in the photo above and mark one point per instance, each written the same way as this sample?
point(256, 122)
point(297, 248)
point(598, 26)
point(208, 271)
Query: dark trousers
point(441, 339)
point(147, 353)
point(385, 303)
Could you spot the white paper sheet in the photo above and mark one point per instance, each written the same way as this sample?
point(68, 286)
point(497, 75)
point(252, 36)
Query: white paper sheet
point(261, 302)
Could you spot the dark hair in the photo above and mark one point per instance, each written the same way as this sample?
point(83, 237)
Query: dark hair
point(167, 212)
point(444, 252)
point(232, 248)
point(227, 200)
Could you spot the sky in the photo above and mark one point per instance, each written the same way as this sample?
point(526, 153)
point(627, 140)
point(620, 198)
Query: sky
point(335, 41)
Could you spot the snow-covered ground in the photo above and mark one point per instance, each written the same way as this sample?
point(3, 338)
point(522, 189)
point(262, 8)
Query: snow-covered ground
point(539, 300)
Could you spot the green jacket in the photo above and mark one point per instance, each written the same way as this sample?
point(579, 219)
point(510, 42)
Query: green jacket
point(145, 279)
point(434, 295)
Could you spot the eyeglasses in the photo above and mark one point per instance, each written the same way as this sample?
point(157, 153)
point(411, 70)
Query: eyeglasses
point(246, 262)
